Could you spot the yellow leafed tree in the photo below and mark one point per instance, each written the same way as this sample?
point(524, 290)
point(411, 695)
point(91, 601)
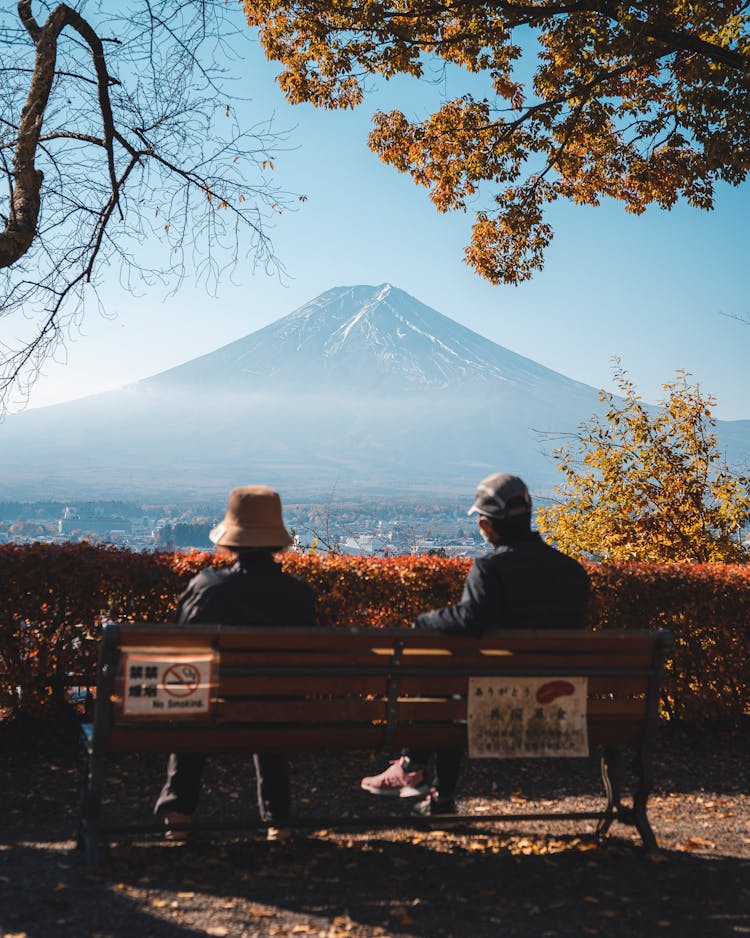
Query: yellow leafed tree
point(644, 102)
point(649, 484)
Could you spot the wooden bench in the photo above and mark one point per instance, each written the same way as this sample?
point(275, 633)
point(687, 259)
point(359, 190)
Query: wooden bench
point(233, 689)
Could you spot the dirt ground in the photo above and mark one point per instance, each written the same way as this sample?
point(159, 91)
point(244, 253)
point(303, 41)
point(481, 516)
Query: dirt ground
point(531, 880)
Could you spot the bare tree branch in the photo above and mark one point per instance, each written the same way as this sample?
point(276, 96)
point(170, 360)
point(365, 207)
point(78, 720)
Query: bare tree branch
point(127, 154)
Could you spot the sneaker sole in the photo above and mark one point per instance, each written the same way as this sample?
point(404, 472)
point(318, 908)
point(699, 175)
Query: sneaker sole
point(405, 792)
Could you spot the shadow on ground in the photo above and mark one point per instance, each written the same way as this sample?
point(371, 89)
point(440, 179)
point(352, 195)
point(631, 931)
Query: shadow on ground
point(538, 881)
point(374, 886)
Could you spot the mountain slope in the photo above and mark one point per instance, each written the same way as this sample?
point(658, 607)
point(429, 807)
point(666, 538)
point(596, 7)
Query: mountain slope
point(364, 388)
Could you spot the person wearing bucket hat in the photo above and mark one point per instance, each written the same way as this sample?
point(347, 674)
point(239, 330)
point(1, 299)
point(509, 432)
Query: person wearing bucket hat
point(523, 583)
point(253, 591)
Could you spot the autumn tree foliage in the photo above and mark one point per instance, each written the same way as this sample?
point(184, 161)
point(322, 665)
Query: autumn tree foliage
point(644, 102)
point(649, 484)
point(117, 132)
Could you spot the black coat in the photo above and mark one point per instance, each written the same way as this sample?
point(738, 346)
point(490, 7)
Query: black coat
point(523, 585)
point(254, 591)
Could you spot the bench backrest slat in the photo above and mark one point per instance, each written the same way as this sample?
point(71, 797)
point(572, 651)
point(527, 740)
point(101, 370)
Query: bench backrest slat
point(428, 709)
point(236, 637)
point(235, 662)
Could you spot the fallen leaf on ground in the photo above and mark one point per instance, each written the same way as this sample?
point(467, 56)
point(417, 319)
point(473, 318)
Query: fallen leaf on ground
point(401, 915)
point(695, 843)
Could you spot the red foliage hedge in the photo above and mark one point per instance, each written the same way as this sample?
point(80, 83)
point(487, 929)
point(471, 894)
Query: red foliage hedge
point(54, 599)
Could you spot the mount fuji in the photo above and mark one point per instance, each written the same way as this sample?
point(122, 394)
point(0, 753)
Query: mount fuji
point(364, 387)
point(368, 340)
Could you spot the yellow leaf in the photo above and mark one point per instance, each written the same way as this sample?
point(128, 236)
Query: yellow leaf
point(695, 843)
point(259, 912)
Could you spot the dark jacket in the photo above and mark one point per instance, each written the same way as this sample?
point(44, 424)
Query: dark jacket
point(254, 591)
point(522, 585)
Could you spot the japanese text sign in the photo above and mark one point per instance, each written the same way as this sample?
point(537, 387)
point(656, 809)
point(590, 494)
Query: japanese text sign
point(167, 685)
point(516, 718)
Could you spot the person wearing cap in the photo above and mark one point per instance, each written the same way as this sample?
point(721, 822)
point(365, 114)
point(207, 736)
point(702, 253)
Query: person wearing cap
point(522, 583)
point(253, 591)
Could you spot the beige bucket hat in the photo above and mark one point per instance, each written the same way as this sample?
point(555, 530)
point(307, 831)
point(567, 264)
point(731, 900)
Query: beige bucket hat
point(252, 519)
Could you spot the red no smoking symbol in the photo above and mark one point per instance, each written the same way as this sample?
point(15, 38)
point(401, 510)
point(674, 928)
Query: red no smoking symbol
point(181, 680)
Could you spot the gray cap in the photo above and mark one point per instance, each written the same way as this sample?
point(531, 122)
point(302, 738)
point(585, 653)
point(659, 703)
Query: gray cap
point(494, 493)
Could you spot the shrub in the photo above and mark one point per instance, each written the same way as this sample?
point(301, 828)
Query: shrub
point(707, 607)
point(55, 599)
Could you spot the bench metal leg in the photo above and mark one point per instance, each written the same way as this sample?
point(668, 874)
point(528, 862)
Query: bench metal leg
point(91, 795)
point(640, 799)
point(611, 768)
point(83, 774)
point(612, 776)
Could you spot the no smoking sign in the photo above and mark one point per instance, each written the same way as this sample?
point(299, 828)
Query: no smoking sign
point(181, 680)
point(167, 686)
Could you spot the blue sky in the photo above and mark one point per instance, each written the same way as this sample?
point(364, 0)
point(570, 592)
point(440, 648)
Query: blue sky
point(659, 290)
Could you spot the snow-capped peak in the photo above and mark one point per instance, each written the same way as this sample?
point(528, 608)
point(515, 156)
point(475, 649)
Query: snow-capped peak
point(375, 339)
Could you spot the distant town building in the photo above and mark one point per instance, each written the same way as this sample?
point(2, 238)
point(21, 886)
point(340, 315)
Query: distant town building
point(96, 524)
